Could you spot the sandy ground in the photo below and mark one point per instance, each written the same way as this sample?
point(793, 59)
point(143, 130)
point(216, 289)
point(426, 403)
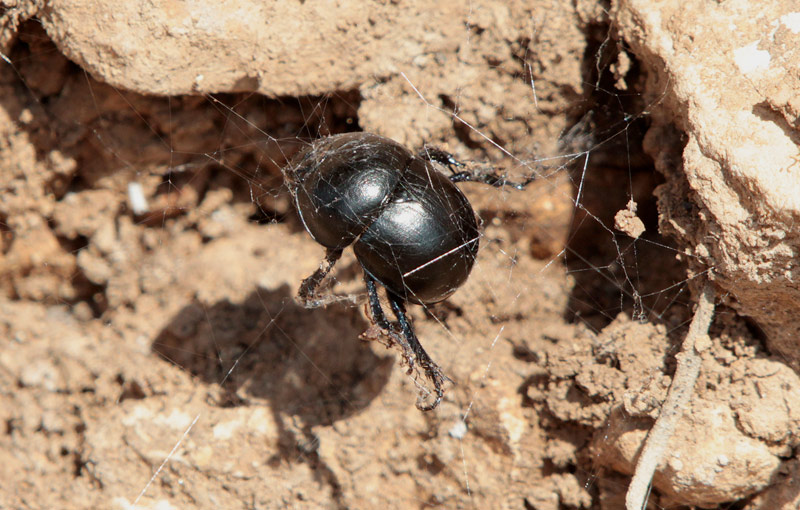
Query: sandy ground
point(154, 356)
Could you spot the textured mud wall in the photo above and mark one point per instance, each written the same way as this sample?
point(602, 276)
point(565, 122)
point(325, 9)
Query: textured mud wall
point(150, 255)
point(726, 78)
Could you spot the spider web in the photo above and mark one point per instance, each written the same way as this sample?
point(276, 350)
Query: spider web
point(239, 393)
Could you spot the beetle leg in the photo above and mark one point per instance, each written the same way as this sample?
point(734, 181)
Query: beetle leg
point(490, 179)
point(307, 295)
point(431, 369)
point(379, 318)
point(448, 160)
point(412, 349)
point(439, 156)
point(375, 304)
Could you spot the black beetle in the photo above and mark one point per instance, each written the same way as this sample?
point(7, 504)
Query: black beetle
point(411, 228)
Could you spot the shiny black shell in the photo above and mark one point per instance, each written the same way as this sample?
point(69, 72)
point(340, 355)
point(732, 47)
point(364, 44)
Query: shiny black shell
point(411, 228)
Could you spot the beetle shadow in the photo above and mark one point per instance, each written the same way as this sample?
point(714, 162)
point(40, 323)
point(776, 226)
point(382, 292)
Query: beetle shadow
point(309, 365)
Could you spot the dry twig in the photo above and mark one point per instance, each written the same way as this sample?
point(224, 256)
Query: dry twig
point(680, 393)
